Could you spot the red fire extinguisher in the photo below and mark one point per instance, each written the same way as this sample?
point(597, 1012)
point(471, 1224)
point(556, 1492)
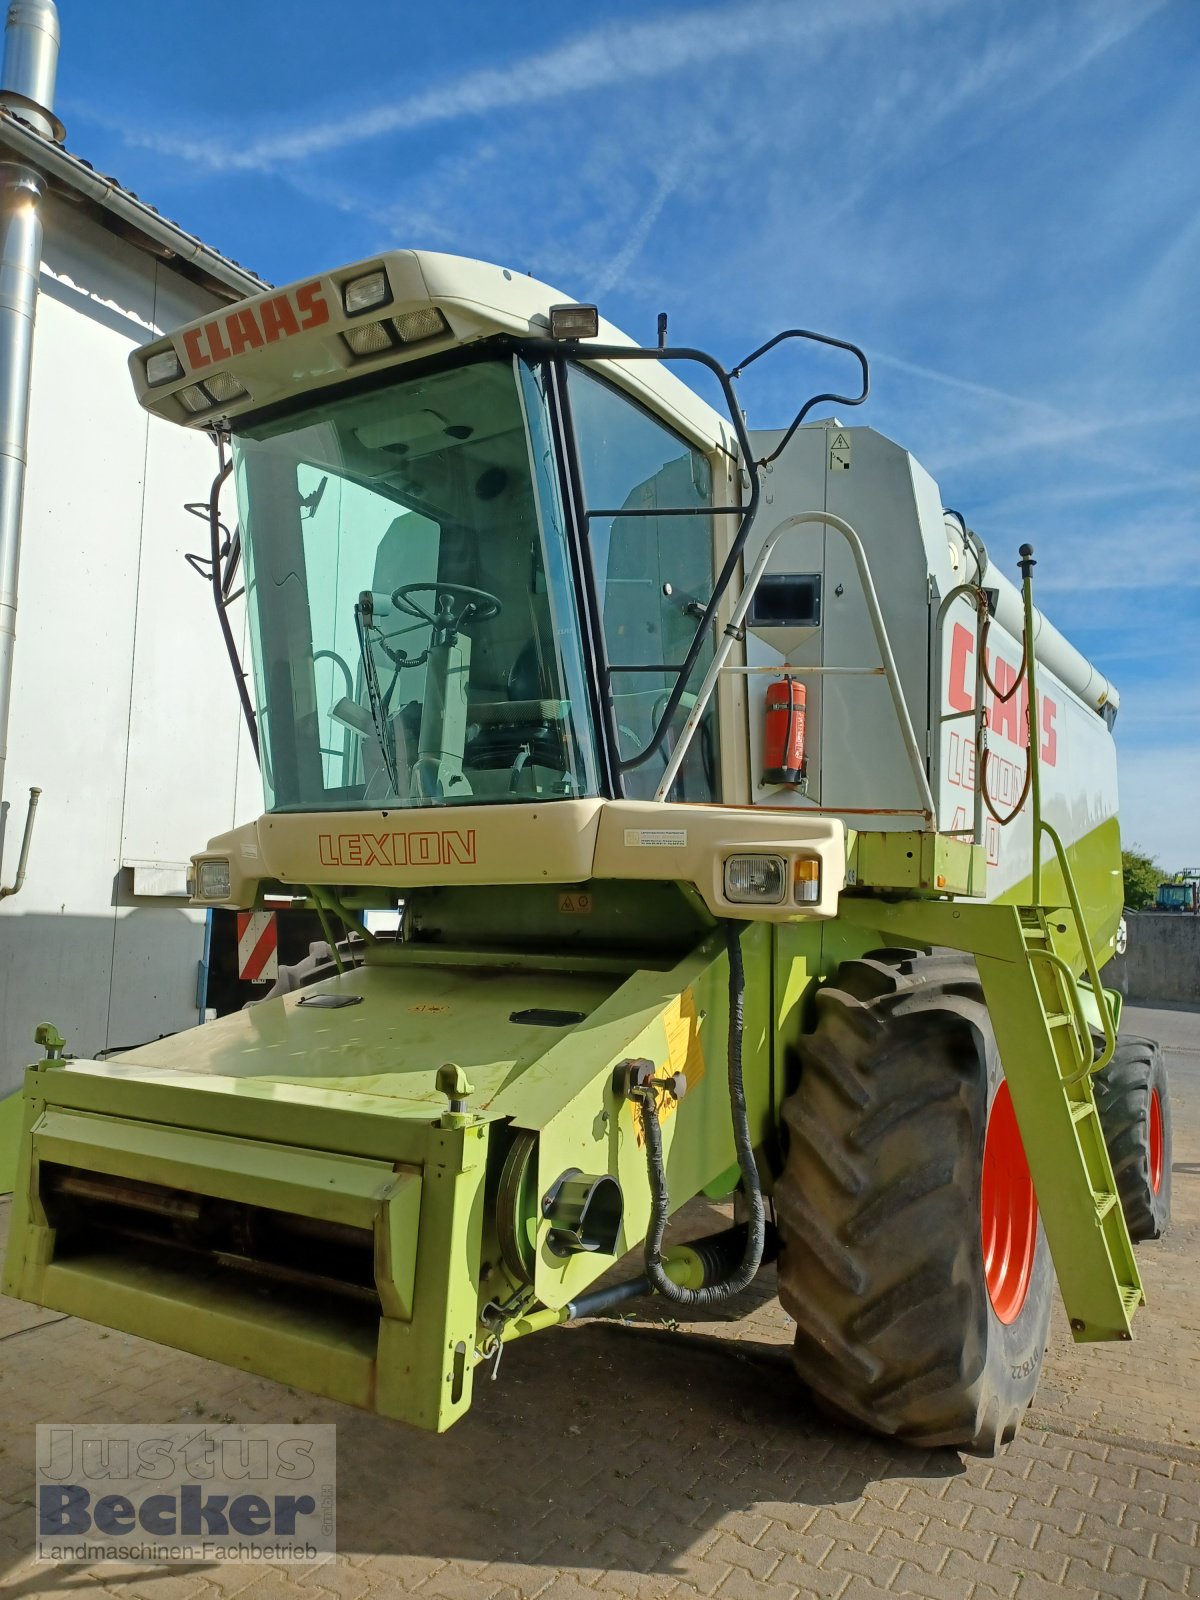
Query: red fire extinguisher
point(783, 732)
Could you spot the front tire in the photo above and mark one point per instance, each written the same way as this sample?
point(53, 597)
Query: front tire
point(913, 1259)
point(1135, 1114)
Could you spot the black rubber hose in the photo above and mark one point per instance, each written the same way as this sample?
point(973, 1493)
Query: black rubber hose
point(660, 1205)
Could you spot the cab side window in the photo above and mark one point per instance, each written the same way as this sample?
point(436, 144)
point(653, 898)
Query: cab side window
point(654, 574)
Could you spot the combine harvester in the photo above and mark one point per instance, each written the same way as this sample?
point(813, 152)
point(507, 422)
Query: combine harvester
point(754, 836)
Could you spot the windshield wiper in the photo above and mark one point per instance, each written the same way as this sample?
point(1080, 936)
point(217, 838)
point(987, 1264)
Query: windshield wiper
point(364, 615)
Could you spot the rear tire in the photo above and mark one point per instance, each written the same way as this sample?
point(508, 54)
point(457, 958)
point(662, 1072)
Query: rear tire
point(880, 1210)
point(1135, 1113)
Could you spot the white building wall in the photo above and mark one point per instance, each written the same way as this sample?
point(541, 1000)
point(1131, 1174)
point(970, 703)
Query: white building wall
point(124, 711)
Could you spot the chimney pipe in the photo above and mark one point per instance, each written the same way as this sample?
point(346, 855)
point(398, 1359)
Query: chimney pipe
point(30, 64)
point(26, 89)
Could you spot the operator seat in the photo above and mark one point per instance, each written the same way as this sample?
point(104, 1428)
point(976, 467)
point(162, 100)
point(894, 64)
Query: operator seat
point(527, 719)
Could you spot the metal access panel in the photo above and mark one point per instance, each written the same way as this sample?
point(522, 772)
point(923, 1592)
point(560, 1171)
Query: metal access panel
point(857, 766)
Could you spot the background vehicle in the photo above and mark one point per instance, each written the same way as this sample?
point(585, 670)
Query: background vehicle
point(743, 846)
point(1181, 894)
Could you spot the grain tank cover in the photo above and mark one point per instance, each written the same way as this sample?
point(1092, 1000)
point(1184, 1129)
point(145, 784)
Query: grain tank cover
point(815, 624)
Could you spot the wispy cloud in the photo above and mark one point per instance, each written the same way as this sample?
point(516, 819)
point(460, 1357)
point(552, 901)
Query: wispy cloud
point(635, 239)
point(1089, 490)
point(1148, 553)
point(993, 199)
point(1059, 431)
point(980, 391)
point(606, 57)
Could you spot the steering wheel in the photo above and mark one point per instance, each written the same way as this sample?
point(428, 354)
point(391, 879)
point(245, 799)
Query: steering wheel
point(478, 605)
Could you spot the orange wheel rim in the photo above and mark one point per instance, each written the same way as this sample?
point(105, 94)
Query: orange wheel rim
point(1008, 1211)
point(1156, 1141)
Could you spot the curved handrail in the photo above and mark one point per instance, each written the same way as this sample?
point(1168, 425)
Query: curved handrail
point(733, 629)
point(1085, 942)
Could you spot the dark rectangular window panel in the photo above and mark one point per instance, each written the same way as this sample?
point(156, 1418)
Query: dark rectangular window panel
point(787, 600)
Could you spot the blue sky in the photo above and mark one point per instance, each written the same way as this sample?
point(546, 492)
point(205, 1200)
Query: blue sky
point(999, 199)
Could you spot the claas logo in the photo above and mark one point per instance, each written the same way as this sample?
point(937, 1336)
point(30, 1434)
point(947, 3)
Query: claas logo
point(1007, 717)
point(252, 327)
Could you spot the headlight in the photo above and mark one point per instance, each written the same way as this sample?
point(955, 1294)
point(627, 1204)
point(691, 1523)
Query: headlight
point(212, 879)
point(363, 293)
point(163, 367)
point(755, 880)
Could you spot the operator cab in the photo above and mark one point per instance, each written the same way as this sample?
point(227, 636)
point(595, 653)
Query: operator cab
point(424, 628)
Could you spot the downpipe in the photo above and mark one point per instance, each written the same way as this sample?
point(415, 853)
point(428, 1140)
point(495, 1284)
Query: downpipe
point(20, 259)
point(6, 891)
point(26, 87)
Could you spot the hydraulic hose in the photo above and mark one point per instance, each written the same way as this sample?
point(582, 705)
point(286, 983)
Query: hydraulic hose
point(660, 1205)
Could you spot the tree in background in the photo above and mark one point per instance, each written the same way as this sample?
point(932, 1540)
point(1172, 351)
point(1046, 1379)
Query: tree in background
point(1142, 877)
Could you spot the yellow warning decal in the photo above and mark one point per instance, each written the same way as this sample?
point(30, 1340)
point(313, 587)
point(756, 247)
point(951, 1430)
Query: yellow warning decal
point(575, 905)
point(685, 1053)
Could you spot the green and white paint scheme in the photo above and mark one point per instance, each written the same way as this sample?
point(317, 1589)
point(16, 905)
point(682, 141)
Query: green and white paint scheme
point(338, 1187)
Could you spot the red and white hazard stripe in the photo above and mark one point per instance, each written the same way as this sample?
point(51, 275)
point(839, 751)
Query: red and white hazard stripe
point(258, 944)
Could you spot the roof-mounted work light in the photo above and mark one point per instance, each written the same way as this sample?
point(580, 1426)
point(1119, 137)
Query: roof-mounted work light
point(363, 294)
point(574, 322)
point(163, 367)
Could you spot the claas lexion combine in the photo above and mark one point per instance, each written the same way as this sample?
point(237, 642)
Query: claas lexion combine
point(754, 837)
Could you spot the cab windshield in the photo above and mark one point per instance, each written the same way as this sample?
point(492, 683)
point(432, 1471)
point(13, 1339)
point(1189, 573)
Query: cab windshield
point(412, 617)
point(414, 605)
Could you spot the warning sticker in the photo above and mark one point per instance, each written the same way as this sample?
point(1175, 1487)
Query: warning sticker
point(258, 946)
point(575, 905)
point(657, 838)
point(839, 452)
point(685, 1053)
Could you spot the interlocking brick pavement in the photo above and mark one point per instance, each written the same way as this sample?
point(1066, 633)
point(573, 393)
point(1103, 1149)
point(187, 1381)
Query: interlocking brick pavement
point(651, 1458)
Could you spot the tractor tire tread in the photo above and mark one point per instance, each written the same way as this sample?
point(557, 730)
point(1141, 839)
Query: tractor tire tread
point(884, 1126)
point(1122, 1094)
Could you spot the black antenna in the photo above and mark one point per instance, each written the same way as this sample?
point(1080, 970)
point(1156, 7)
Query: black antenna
point(662, 330)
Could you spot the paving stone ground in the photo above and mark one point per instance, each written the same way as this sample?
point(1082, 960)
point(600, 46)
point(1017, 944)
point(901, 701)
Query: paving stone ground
point(649, 1458)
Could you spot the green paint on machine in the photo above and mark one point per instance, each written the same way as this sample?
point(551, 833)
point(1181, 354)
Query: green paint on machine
point(372, 1220)
point(10, 1136)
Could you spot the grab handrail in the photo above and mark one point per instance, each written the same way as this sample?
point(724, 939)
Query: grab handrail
point(1042, 827)
point(733, 632)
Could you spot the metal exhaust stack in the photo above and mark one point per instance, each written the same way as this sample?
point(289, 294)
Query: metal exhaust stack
point(31, 40)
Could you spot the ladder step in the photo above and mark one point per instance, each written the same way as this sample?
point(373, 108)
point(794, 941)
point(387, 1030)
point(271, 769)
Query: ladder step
point(1060, 1019)
point(1104, 1202)
point(1081, 1109)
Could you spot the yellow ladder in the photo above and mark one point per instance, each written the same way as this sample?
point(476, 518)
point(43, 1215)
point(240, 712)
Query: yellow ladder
point(1051, 1083)
point(1085, 1223)
point(1049, 1060)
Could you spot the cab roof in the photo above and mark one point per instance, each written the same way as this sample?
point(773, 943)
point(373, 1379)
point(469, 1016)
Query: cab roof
point(283, 343)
